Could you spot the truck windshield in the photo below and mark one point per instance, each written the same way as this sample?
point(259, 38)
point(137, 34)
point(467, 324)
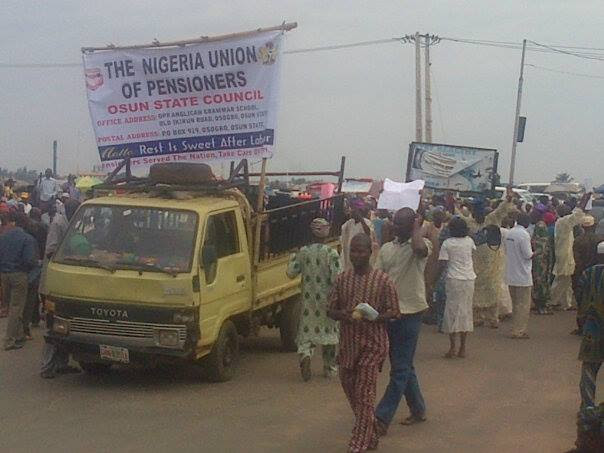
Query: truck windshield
point(126, 237)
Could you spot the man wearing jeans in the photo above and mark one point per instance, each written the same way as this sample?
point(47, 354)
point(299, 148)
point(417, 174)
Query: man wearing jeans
point(404, 260)
point(17, 257)
point(519, 278)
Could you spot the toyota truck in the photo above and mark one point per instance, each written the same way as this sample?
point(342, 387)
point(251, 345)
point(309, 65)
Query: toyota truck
point(160, 271)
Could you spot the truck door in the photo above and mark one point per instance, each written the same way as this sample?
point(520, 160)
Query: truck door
point(226, 286)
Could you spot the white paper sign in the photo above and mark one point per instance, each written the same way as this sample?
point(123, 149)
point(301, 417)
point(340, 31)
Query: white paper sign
point(398, 195)
point(199, 102)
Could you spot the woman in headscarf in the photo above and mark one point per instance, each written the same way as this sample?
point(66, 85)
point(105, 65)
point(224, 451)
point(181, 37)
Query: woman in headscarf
point(318, 265)
point(489, 262)
point(542, 267)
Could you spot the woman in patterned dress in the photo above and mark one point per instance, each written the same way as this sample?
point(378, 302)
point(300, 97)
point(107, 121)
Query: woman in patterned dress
point(318, 265)
point(542, 268)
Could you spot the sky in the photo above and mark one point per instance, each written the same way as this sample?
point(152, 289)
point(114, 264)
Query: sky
point(357, 102)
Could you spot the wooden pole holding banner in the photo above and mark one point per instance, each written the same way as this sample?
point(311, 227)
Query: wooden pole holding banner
point(259, 211)
point(285, 26)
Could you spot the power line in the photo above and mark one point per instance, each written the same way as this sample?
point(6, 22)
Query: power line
point(566, 52)
point(590, 53)
point(577, 74)
point(536, 47)
point(347, 46)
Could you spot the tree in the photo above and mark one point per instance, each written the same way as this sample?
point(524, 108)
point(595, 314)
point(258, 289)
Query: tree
point(563, 177)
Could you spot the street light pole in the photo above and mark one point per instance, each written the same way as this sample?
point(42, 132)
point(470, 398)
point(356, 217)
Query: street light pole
point(517, 117)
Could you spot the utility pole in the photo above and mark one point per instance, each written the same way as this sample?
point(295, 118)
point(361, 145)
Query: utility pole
point(54, 158)
point(516, 118)
point(418, 90)
point(427, 90)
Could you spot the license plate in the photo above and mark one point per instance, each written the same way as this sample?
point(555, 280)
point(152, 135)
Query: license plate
point(114, 353)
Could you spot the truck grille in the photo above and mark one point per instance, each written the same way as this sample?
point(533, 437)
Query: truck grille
point(128, 329)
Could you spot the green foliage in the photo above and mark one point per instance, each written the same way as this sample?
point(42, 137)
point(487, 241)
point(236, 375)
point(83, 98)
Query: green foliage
point(21, 174)
point(563, 177)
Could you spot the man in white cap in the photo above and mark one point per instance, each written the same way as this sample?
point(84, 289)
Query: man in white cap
point(590, 299)
point(61, 202)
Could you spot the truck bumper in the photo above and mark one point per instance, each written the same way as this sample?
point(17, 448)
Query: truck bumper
point(88, 349)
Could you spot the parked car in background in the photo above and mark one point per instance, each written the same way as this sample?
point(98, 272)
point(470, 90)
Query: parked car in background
point(524, 195)
point(534, 187)
point(536, 196)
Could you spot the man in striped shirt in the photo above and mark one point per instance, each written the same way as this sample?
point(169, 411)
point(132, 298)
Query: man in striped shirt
point(363, 342)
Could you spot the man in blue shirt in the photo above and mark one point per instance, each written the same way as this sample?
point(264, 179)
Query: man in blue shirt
point(17, 257)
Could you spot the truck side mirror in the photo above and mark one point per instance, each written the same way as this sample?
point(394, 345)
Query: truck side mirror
point(209, 256)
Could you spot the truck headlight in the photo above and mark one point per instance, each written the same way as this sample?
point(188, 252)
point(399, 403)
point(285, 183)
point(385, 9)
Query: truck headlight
point(167, 337)
point(183, 318)
point(60, 326)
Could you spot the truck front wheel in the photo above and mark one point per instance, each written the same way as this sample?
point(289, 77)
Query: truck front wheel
point(223, 360)
point(288, 324)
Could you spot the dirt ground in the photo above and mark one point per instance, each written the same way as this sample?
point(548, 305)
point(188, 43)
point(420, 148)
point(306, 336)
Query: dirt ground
point(507, 396)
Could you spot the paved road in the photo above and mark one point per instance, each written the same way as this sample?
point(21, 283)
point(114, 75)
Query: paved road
point(507, 396)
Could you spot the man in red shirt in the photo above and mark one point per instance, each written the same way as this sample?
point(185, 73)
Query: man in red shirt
point(363, 342)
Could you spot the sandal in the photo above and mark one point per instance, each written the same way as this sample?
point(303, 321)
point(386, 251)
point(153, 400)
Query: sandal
point(413, 420)
point(522, 336)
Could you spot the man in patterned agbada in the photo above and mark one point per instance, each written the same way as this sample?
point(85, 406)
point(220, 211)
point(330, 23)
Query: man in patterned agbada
point(318, 265)
point(363, 342)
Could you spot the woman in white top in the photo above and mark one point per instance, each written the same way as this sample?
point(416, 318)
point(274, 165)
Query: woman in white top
point(456, 256)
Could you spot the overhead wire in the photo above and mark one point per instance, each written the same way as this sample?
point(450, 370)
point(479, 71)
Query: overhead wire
point(558, 71)
point(346, 46)
point(535, 47)
point(567, 52)
point(591, 53)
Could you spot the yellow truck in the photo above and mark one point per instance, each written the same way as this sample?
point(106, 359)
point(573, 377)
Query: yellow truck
point(157, 270)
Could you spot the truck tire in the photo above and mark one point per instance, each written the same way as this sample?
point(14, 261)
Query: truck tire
point(94, 367)
point(288, 324)
point(222, 361)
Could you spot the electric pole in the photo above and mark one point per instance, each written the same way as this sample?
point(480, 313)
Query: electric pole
point(428, 40)
point(418, 90)
point(54, 158)
point(427, 91)
point(516, 118)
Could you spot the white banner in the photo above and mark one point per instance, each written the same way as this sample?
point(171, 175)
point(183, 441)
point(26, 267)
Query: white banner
point(199, 102)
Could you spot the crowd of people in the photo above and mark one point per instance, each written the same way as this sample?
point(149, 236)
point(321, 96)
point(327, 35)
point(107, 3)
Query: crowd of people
point(459, 264)
point(32, 225)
